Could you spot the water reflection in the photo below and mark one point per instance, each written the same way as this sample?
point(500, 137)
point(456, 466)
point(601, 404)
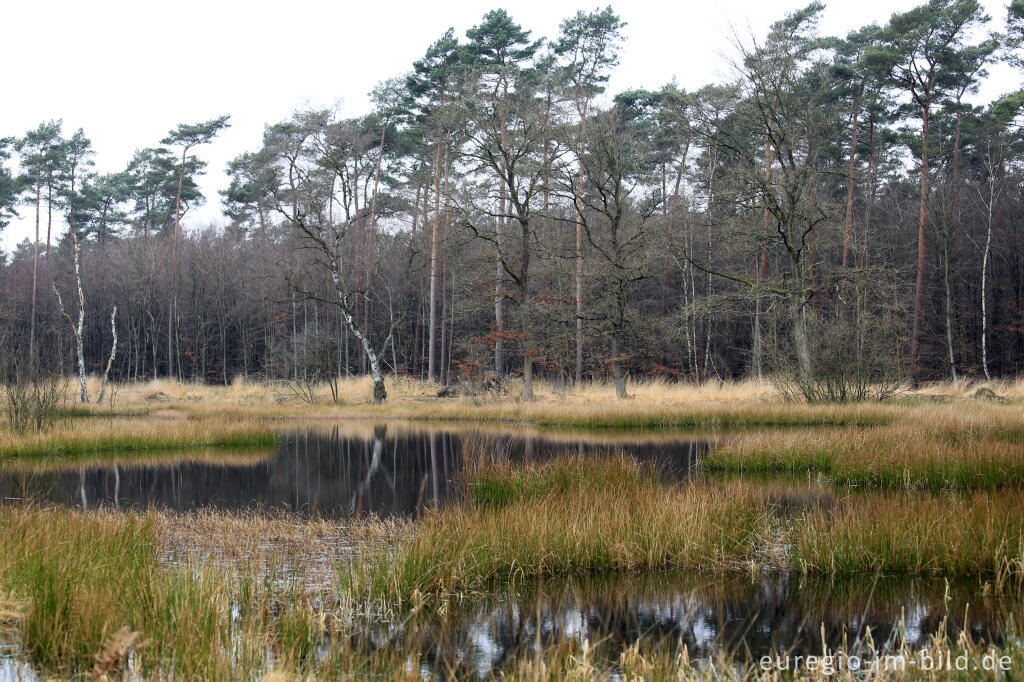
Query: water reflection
point(381, 469)
point(741, 617)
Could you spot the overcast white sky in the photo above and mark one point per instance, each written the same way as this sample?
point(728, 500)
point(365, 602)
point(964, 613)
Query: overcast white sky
point(129, 71)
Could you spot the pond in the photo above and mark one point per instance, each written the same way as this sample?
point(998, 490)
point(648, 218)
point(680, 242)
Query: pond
point(738, 617)
point(353, 469)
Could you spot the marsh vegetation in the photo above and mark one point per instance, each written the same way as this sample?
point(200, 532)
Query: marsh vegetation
point(197, 532)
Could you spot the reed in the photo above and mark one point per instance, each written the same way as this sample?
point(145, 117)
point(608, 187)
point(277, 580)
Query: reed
point(84, 577)
point(654, 404)
point(210, 596)
point(94, 595)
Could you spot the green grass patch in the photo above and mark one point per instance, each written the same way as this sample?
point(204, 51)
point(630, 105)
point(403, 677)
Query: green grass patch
point(89, 579)
point(905, 456)
point(135, 435)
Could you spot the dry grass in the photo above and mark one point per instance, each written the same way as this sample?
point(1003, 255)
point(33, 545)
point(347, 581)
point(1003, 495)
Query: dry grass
point(358, 389)
point(936, 447)
point(306, 549)
point(194, 587)
point(12, 610)
point(634, 414)
point(905, 533)
point(1009, 389)
point(151, 459)
point(95, 590)
point(653, 404)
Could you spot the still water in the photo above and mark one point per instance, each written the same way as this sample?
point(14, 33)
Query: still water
point(738, 616)
point(332, 472)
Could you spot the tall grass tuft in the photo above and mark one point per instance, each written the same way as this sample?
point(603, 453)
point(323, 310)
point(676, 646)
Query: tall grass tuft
point(86, 577)
point(570, 516)
point(981, 533)
point(577, 515)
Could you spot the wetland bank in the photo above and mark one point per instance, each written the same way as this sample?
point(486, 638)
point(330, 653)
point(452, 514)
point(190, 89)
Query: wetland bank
point(463, 539)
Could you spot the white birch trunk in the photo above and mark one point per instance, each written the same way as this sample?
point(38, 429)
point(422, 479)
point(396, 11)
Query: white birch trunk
point(110, 361)
point(77, 329)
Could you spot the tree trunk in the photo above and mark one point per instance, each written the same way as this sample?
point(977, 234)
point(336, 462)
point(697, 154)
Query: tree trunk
point(110, 360)
point(174, 270)
point(380, 393)
point(949, 308)
point(444, 275)
point(49, 214)
point(915, 333)
point(762, 270)
point(947, 246)
point(499, 273)
point(668, 239)
point(579, 250)
point(451, 333)
point(499, 299)
point(432, 322)
point(35, 279)
point(864, 254)
point(527, 376)
point(798, 313)
point(616, 362)
point(76, 328)
point(850, 181)
point(984, 267)
point(707, 275)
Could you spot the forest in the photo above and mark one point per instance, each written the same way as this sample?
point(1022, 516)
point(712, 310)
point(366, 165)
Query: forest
point(838, 216)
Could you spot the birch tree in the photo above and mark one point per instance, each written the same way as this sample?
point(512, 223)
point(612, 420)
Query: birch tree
point(76, 327)
point(301, 193)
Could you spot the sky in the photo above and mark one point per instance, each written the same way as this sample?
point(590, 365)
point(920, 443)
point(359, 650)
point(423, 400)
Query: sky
point(127, 72)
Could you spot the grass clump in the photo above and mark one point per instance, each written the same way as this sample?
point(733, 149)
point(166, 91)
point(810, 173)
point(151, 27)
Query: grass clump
point(569, 516)
point(92, 592)
point(980, 533)
point(501, 484)
point(587, 516)
point(84, 577)
point(636, 414)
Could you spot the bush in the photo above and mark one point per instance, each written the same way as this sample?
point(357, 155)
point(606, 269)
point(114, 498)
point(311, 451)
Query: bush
point(855, 353)
point(34, 401)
